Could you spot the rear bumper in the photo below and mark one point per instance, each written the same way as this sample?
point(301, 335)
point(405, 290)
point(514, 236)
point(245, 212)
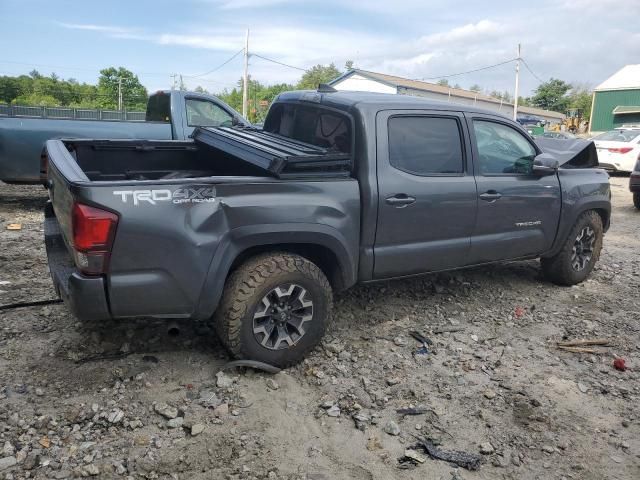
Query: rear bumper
point(85, 296)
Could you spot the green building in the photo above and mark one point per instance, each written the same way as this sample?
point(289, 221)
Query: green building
point(616, 101)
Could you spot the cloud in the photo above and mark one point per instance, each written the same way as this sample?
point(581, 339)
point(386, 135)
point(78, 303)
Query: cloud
point(558, 40)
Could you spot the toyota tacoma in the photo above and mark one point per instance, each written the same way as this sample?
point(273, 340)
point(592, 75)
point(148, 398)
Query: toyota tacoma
point(254, 229)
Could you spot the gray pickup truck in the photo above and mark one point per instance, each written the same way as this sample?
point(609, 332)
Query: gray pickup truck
point(171, 115)
point(254, 229)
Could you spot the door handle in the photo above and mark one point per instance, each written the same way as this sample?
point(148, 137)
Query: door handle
point(490, 196)
point(400, 200)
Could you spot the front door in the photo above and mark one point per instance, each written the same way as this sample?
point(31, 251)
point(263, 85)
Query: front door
point(427, 197)
point(518, 211)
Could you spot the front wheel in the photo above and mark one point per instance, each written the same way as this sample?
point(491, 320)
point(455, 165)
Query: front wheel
point(579, 254)
point(274, 309)
point(636, 200)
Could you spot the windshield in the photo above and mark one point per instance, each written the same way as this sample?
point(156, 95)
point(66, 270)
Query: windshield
point(618, 135)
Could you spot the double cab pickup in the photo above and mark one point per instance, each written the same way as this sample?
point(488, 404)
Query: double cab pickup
point(254, 229)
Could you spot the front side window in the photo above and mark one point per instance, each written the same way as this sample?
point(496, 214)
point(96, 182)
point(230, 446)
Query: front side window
point(425, 145)
point(203, 113)
point(502, 149)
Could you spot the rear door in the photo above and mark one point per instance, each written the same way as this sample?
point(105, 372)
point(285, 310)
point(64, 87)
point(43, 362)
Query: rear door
point(518, 212)
point(427, 193)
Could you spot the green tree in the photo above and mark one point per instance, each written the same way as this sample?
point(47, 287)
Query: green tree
point(475, 88)
point(552, 95)
point(581, 98)
point(317, 75)
point(260, 97)
point(443, 82)
point(36, 99)
point(348, 65)
point(134, 95)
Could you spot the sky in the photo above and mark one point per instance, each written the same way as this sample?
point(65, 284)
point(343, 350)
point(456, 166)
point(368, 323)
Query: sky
point(579, 41)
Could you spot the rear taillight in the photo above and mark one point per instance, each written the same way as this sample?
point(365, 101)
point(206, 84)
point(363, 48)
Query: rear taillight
point(93, 233)
point(620, 150)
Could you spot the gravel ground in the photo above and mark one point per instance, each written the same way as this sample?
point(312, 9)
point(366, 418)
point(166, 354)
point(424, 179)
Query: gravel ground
point(128, 400)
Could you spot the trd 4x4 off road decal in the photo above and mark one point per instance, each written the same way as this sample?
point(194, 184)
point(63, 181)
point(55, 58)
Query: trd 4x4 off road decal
point(180, 195)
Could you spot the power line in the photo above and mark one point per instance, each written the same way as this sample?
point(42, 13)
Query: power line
point(468, 71)
point(279, 63)
point(531, 71)
point(218, 67)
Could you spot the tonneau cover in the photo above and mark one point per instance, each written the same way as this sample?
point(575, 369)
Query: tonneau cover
point(570, 152)
point(278, 155)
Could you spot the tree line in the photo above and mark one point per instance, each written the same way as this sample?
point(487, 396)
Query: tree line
point(555, 95)
point(52, 91)
point(36, 89)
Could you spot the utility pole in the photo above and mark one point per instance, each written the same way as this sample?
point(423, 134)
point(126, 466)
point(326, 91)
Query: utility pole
point(515, 97)
point(173, 80)
point(120, 93)
point(245, 81)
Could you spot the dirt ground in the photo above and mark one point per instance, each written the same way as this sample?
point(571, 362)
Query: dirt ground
point(128, 400)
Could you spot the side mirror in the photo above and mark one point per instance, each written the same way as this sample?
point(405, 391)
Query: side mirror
point(545, 164)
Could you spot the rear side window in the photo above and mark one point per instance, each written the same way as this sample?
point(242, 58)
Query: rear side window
point(309, 124)
point(425, 145)
point(159, 108)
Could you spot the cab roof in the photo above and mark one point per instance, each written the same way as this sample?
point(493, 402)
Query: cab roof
point(361, 101)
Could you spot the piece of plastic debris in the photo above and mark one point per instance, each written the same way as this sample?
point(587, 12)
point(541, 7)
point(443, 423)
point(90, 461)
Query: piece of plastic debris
point(619, 364)
point(519, 312)
point(251, 364)
point(413, 411)
point(470, 461)
point(14, 226)
point(424, 349)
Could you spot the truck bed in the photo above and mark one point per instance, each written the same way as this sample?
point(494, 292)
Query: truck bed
point(214, 152)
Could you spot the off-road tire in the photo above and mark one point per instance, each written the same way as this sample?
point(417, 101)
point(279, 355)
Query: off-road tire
point(247, 286)
point(558, 268)
point(636, 200)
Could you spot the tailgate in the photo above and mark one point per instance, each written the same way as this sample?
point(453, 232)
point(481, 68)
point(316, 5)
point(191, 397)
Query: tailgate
point(62, 170)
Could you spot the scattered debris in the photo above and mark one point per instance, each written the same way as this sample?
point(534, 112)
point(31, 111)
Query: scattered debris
point(30, 304)
point(197, 429)
point(619, 364)
point(580, 343)
point(578, 349)
point(414, 455)
point(165, 410)
point(251, 364)
point(14, 226)
point(519, 312)
point(333, 411)
point(223, 380)
point(175, 422)
point(470, 461)
point(447, 329)
point(486, 448)
point(425, 342)
point(413, 411)
point(391, 428)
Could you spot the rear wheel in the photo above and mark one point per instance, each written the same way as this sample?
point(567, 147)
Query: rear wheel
point(579, 254)
point(274, 309)
point(636, 200)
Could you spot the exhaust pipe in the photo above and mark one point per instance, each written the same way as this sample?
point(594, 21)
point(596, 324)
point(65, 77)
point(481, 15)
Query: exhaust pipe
point(173, 330)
